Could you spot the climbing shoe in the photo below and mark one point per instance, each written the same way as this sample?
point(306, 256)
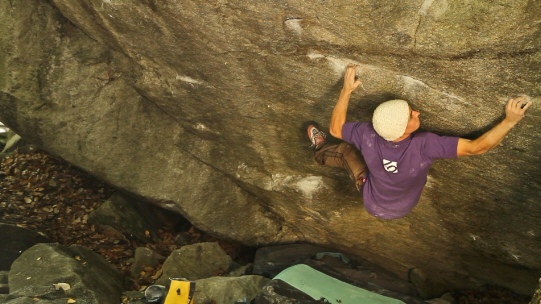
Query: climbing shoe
point(316, 137)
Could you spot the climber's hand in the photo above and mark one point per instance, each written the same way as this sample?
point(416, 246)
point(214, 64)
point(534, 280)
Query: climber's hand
point(515, 109)
point(350, 83)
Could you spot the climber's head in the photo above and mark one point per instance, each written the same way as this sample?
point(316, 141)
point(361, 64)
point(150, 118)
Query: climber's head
point(395, 120)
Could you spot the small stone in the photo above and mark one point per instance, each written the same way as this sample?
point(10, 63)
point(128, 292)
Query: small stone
point(144, 257)
point(193, 262)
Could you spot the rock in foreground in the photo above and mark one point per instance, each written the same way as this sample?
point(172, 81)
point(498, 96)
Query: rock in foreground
point(90, 278)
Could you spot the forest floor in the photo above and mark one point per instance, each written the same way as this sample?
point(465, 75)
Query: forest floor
point(49, 196)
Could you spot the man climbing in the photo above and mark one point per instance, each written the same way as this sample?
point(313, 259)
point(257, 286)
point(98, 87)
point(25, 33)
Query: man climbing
point(397, 159)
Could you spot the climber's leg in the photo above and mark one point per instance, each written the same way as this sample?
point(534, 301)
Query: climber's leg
point(345, 156)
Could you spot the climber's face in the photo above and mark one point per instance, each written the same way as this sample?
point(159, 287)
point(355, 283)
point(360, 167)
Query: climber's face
point(414, 122)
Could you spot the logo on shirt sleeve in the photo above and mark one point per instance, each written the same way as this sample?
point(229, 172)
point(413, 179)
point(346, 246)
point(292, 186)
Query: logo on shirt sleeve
point(390, 166)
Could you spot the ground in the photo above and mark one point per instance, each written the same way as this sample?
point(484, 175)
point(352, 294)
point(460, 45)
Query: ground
point(49, 196)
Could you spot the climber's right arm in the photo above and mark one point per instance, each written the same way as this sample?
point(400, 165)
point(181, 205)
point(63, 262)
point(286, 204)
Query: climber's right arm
point(338, 117)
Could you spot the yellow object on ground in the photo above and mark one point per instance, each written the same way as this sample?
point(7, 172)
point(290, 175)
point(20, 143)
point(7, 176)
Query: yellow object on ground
point(180, 292)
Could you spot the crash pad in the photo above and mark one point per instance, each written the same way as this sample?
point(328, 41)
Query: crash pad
point(319, 285)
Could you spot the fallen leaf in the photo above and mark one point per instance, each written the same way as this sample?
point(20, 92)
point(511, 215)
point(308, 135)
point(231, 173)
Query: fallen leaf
point(71, 301)
point(64, 286)
point(157, 275)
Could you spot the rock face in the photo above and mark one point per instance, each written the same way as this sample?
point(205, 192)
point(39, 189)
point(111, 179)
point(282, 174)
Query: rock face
point(199, 107)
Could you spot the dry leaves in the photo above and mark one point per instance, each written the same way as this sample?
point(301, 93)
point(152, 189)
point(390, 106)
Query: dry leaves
point(54, 198)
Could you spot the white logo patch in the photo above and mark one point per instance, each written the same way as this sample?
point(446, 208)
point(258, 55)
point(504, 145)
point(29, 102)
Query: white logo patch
point(390, 166)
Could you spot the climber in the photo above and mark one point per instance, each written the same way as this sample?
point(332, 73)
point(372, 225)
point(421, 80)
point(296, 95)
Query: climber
point(397, 159)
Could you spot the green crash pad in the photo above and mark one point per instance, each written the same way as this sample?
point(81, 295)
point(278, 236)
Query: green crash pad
point(319, 285)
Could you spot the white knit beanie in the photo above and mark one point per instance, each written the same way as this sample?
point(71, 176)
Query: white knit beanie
point(391, 118)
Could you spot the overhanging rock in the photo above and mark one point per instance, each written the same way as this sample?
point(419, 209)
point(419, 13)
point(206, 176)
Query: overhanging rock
point(198, 107)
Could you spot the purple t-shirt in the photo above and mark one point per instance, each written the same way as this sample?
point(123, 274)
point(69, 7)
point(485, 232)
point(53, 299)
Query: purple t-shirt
point(397, 171)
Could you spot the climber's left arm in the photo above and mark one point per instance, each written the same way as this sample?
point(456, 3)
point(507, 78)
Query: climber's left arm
point(514, 112)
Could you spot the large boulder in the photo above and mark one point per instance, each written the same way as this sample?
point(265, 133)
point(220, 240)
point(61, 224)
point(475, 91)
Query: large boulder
point(198, 106)
point(38, 272)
